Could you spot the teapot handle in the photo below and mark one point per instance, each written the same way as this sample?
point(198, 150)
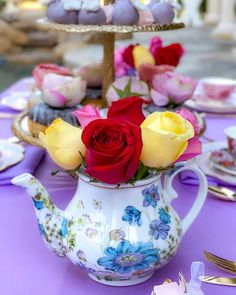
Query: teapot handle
point(171, 194)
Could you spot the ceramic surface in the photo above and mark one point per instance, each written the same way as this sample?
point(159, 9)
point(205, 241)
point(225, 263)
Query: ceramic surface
point(201, 102)
point(10, 154)
point(230, 132)
point(224, 160)
point(211, 170)
point(218, 88)
point(16, 101)
point(119, 235)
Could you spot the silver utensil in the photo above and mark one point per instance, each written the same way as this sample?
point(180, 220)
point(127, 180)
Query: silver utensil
point(219, 281)
point(226, 265)
point(222, 193)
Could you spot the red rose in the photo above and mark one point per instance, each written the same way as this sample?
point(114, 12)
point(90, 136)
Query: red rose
point(128, 109)
point(169, 55)
point(43, 69)
point(128, 55)
point(113, 150)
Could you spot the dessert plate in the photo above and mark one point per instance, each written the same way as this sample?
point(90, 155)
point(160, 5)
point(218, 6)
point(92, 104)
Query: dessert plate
point(224, 161)
point(210, 170)
point(10, 154)
point(201, 102)
point(16, 101)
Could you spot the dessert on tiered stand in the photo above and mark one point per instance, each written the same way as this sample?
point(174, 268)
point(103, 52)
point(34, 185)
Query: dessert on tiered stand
point(120, 16)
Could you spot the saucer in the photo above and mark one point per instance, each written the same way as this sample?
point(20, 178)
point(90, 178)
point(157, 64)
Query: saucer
point(10, 154)
point(210, 170)
point(16, 101)
point(201, 102)
point(223, 160)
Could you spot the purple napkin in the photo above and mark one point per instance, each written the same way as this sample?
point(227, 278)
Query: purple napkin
point(190, 178)
point(30, 163)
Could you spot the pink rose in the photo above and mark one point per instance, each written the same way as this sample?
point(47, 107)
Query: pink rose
point(63, 91)
point(194, 145)
point(42, 69)
point(87, 114)
point(175, 87)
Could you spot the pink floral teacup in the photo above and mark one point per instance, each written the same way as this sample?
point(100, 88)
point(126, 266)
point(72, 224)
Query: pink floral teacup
point(218, 88)
point(231, 137)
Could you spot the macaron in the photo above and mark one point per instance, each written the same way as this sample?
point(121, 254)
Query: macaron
point(163, 13)
point(125, 13)
point(86, 17)
point(56, 13)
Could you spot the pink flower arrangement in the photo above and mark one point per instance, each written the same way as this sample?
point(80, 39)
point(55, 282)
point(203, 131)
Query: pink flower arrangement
point(162, 55)
point(125, 144)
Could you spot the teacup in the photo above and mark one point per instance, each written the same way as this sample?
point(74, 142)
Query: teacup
point(218, 88)
point(231, 137)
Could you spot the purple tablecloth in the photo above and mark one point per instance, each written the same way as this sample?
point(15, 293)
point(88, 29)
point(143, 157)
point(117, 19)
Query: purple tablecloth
point(27, 267)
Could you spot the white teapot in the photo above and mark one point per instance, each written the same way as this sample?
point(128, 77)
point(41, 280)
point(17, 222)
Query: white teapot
point(119, 235)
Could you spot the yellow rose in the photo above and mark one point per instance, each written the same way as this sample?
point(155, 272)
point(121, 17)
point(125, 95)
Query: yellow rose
point(63, 143)
point(142, 56)
point(165, 138)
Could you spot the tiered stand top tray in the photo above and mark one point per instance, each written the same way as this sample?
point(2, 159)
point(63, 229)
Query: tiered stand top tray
point(45, 24)
point(108, 32)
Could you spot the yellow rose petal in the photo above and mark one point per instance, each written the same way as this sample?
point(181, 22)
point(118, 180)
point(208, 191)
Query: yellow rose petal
point(165, 138)
point(63, 143)
point(142, 56)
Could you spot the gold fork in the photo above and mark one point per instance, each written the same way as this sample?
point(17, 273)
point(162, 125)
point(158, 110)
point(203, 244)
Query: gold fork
point(227, 265)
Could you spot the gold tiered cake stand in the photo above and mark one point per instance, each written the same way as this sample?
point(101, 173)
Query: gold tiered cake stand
point(108, 35)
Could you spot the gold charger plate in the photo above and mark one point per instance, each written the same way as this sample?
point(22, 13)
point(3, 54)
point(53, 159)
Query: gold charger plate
point(21, 130)
point(45, 24)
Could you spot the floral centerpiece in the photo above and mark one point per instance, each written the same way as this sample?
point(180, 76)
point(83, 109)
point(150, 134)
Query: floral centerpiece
point(125, 146)
point(152, 69)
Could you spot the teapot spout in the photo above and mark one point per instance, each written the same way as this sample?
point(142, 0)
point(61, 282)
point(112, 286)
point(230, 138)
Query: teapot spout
point(49, 217)
point(36, 191)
